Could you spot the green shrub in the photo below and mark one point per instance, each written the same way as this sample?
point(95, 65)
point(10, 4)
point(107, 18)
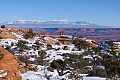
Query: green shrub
point(3, 26)
point(22, 46)
point(112, 67)
point(49, 46)
point(80, 43)
point(12, 44)
point(58, 64)
point(24, 59)
point(1, 56)
point(29, 34)
point(42, 54)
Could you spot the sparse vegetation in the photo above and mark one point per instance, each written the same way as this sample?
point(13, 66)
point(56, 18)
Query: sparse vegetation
point(80, 43)
point(30, 34)
point(112, 67)
point(76, 62)
point(59, 65)
point(21, 45)
point(12, 44)
point(1, 56)
point(3, 26)
point(42, 55)
point(49, 46)
point(24, 59)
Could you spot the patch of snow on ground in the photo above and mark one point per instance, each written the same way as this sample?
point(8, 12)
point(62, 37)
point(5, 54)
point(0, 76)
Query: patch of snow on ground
point(93, 78)
point(40, 74)
point(33, 76)
point(7, 41)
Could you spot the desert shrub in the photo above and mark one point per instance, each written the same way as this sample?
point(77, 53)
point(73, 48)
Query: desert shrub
point(1, 55)
point(110, 43)
point(37, 42)
point(97, 72)
point(96, 50)
point(49, 46)
point(80, 43)
point(64, 48)
point(58, 64)
point(3, 26)
point(42, 54)
point(112, 67)
point(76, 61)
point(29, 34)
point(23, 59)
point(21, 45)
point(12, 44)
point(40, 60)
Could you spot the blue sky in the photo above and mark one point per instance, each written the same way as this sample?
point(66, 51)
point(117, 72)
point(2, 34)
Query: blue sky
point(103, 12)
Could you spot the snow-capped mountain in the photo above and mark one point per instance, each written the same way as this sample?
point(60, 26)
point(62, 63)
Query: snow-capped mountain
point(51, 24)
point(24, 22)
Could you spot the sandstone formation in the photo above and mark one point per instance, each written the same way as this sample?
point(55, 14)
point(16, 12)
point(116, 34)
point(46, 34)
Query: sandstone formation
point(11, 66)
point(9, 33)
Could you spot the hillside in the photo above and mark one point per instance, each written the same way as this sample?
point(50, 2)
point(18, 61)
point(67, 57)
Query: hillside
point(10, 65)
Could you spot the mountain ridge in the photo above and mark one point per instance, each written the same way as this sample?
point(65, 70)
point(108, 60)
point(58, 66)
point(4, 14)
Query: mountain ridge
point(53, 24)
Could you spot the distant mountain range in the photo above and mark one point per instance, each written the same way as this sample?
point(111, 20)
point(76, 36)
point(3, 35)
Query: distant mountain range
point(52, 24)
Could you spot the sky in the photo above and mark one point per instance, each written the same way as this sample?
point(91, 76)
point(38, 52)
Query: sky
point(102, 12)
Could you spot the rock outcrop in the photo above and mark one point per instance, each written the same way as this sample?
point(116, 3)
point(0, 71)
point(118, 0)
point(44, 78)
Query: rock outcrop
point(9, 33)
point(11, 65)
point(92, 43)
point(49, 40)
